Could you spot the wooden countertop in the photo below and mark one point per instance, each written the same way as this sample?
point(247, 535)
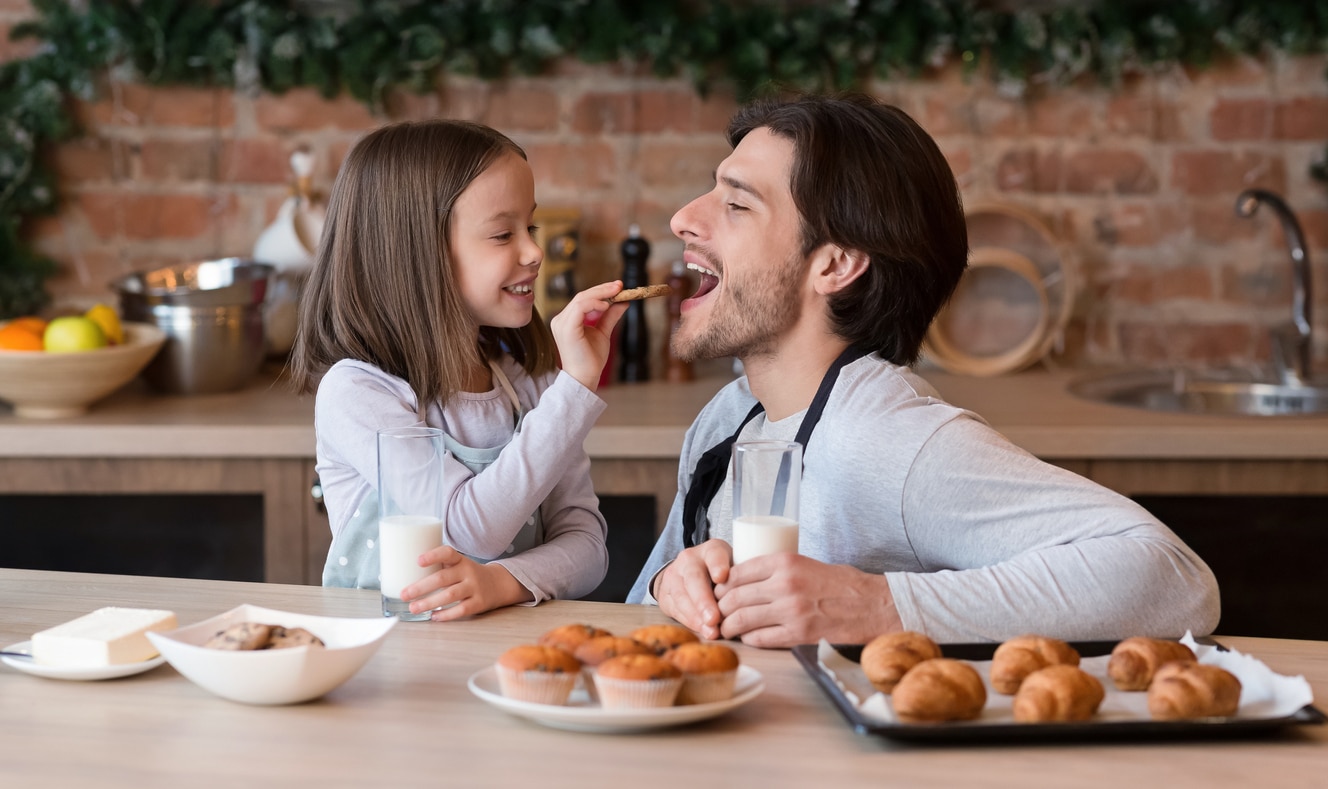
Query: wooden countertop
point(408, 719)
point(648, 420)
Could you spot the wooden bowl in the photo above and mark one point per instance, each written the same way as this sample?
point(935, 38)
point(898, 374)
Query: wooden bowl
point(41, 385)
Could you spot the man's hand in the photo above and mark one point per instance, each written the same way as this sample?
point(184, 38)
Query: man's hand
point(685, 588)
point(784, 599)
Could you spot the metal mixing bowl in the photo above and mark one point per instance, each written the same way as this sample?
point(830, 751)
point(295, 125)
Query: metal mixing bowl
point(212, 313)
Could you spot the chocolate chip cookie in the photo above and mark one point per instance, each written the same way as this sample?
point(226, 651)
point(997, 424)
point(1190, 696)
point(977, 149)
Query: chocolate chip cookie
point(241, 636)
point(283, 637)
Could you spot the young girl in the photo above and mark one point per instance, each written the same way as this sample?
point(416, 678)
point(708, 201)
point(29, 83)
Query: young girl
point(420, 311)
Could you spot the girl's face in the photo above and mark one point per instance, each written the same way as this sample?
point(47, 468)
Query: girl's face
point(492, 243)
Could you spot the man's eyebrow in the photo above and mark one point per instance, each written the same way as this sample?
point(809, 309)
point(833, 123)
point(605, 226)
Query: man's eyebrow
point(741, 186)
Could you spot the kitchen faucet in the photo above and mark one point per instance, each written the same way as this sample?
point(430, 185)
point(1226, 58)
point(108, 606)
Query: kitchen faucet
point(1292, 346)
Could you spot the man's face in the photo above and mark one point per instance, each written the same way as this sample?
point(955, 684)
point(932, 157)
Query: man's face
point(744, 238)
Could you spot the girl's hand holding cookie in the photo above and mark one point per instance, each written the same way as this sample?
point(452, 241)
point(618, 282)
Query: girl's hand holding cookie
point(584, 332)
point(463, 585)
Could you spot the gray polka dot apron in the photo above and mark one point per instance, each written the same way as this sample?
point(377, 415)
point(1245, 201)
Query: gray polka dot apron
point(353, 559)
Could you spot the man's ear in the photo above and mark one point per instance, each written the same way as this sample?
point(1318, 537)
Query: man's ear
point(835, 267)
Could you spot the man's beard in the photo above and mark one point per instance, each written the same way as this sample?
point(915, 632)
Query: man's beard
point(749, 320)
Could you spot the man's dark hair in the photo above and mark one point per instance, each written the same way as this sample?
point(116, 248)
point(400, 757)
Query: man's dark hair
point(866, 177)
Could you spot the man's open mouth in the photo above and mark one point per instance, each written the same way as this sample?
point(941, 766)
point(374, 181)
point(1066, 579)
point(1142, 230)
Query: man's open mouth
point(709, 279)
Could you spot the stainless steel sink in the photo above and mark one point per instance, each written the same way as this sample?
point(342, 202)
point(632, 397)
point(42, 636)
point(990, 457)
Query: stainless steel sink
point(1291, 388)
point(1215, 393)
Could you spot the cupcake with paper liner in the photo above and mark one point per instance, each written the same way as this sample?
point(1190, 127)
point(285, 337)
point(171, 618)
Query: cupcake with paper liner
point(597, 650)
point(537, 673)
point(662, 638)
point(637, 682)
point(569, 637)
point(709, 672)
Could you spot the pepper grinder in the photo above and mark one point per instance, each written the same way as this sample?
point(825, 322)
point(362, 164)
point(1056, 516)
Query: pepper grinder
point(635, 340)
point(676, 370)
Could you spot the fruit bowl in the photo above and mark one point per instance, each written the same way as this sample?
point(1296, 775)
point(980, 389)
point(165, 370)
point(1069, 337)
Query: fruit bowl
point(41, 385)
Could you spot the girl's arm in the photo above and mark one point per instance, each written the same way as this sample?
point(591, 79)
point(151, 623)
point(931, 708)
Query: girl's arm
point(485, 512)
point(574, 557)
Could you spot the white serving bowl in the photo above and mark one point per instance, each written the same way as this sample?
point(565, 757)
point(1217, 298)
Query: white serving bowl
point(273, 676)
point(44, 385)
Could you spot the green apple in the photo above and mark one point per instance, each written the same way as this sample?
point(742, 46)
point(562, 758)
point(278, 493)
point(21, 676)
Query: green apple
point(72, 334)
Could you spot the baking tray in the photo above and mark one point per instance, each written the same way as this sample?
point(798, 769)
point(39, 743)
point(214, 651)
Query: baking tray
point(1040, 732)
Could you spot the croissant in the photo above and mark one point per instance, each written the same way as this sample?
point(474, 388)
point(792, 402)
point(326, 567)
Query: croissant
point(1185, 689)
point(1021, 656)
point(887, 658)
point(1134, 660)
point(1058, 693)
point(940, 689)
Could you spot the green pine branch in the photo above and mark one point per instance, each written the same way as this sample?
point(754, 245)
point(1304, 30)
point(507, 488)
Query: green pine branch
point(384, 45)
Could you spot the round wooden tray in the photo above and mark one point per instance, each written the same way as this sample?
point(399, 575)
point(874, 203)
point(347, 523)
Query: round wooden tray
point(1012, 304)
point(1002, 319)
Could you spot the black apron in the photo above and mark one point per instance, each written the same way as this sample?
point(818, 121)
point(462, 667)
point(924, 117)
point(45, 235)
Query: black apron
point(711, 470)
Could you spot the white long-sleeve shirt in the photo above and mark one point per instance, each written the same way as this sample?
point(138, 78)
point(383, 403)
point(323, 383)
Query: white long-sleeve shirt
point(979, 540)
point(543, 467)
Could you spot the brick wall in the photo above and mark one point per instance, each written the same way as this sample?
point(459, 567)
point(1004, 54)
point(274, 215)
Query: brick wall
point(1137, 181)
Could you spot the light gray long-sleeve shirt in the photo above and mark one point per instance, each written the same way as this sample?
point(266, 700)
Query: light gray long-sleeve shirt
point(543, 467)
point(979, 540)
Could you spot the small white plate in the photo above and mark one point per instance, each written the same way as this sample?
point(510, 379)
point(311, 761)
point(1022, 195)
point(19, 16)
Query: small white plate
point(65, 672)
point(581, 714)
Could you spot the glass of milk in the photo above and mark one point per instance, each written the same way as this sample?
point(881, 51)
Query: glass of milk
point(410, 510)
point(766, 479)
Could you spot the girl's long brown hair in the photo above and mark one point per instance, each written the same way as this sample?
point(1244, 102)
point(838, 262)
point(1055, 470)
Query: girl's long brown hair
point(383, 288)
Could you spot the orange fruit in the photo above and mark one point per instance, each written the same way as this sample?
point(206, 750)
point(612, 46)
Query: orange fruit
point(17, 337)
point(30, 322)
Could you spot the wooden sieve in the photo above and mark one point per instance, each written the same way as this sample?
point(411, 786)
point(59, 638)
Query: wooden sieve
point(999, 319)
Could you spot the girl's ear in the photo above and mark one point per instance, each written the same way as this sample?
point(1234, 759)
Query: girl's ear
point(834, 268)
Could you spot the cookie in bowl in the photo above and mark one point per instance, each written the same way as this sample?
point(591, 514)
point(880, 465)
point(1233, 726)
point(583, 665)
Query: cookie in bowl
point(264, 675)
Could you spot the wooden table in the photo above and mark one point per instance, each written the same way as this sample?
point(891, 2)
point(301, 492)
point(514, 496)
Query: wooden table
point(407, 718)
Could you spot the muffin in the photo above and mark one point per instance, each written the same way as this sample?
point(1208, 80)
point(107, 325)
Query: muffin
point(637, 682)
point(536, 673)
point(662, 638)
point(569, 637)
point(709, 672)
point(599, 649)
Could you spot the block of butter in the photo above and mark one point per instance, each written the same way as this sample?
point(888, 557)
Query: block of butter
point(106, 637)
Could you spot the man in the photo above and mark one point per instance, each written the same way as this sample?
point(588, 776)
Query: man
point(833, 235)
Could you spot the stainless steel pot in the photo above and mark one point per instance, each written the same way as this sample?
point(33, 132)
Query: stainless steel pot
point(212, 313)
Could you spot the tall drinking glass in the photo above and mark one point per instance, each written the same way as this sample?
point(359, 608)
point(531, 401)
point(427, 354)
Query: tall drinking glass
point(766, 479)
point(410, 510)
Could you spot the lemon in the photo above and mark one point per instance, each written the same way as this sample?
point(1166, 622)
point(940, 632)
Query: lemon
point(109, 322)
point(73, 333)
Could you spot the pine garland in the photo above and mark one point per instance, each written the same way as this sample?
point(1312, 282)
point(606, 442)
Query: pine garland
point(276, 45)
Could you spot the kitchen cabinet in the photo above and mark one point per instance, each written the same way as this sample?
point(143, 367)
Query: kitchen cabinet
point(260, 441)
point(282, 484)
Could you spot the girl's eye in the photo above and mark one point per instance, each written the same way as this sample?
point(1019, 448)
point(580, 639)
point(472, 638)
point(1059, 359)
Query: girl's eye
point(533, 229)
point(503, 237)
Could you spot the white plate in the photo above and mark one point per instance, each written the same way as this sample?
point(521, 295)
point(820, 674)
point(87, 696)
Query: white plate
point(65, 672)
point(581, 714)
